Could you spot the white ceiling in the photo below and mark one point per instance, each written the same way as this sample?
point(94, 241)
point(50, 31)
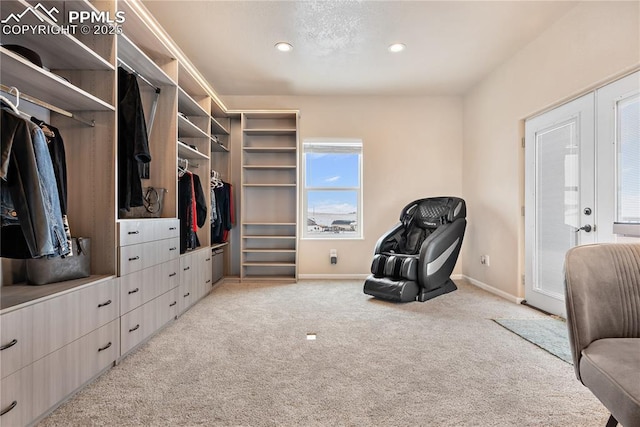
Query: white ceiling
point(340, 46)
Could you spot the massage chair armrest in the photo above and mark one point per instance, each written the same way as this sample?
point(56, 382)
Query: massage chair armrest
point(388, 239)
point(439, 252)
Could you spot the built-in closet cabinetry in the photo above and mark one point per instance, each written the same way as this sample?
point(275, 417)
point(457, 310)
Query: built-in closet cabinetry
point(269, 195)
point(55, 338)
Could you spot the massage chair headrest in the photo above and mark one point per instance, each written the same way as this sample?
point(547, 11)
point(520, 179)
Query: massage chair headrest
point(432, 212)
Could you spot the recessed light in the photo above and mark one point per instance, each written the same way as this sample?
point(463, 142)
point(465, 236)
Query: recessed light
point(397, 47)
point(284, 47)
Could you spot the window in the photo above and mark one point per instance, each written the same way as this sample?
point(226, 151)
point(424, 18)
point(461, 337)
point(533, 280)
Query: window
point(628, 160)
point(332, 194)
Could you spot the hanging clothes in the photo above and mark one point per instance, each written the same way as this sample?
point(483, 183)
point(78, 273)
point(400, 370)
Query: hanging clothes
point(55, 144)
point(133, 142)
point(31, 217)
point(192, 210)
point(225, 214)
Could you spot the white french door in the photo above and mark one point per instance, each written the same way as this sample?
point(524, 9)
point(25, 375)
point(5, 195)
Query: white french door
point(560, 199)
point(574, 173)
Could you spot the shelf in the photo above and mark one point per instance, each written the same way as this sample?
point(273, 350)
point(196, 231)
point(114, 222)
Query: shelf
point(187, 152)
point(186, 129)
point(270, 131)
point(268, 264)
point(269, 149)
point(282, 114)
point(215, 147)
point(269, 166)
point(69, 53)
point(189, 106)
point(46, 86)
point(189, 82)
point(270, 223)
point(266, 251)
point(268, 185)
point(218, 128)
point(219, 245)
point(145, 66)
point(268, 237)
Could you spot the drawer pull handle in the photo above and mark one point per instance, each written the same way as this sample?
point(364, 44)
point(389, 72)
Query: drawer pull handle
point(134, 328)
point(187, 294)
point(8, 408)
point(173, 248)
point(134, 232)
point(11, 344)
point(104, 304)
point(134, 291)
point(173, 274)
point(186, 268)
point(208, 281)
point(105, 347)
point(173, 303)
point(208, 259)
point(172, 228)
point(134, 258)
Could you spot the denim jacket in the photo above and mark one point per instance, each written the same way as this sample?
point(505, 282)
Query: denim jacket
point(29, 195)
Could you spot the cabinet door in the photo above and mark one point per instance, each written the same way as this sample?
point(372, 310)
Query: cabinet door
point(15, 398)
point(16, 350)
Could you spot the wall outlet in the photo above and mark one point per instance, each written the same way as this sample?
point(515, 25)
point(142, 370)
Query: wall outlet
point(333, 256)
point(484, 260)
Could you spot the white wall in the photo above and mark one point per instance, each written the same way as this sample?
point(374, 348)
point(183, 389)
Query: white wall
point(591, 44)
point(412, 148)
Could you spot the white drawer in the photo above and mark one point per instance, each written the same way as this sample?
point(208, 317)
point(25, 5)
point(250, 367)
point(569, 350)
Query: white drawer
point(170, 275)
point(144, 255)
point(16, 348)
point(15, 398)
point(61, 320)
point(139, 287)
point(132, 232)
point(166, 228)
point(63, 371)
point(172, 301)
point(138, 324)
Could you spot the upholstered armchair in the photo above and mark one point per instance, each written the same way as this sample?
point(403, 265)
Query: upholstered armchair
point(603, 317)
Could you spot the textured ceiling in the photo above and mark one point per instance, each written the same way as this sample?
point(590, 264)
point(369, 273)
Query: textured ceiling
point(340, 46)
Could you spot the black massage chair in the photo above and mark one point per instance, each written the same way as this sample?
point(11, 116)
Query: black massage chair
point(414, 259)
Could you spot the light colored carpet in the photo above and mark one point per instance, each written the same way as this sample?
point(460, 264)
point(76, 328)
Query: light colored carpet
point(241, 357)
point(549, 334)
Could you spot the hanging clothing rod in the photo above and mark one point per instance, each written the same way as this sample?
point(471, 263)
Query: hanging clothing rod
point(50, 107)
point(154, 105)
point(140, 76)
point(187, 162)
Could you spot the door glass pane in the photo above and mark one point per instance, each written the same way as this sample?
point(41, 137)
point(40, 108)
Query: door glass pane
point(628, 161)
point(557, 206)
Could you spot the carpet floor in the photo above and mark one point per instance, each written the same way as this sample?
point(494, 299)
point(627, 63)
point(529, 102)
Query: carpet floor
point(241, 357)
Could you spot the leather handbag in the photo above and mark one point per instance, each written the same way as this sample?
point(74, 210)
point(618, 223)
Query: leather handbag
point(41, 271)
point(152, 200)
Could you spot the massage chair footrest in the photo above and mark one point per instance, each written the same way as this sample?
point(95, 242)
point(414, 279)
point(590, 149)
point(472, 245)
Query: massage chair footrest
point(394, 290)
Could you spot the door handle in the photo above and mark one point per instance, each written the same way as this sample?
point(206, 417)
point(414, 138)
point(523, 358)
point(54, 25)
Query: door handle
point(586, 228)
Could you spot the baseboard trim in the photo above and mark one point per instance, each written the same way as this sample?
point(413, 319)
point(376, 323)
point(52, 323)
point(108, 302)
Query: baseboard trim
point(492, 290)
point(332, 276)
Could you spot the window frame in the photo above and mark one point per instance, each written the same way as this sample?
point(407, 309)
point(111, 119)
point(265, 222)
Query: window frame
point(328, 142)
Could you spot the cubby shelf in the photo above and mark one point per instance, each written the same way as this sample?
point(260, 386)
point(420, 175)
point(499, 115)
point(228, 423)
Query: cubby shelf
point(77, 56)
point(133, 56)
point(46, 86)
point(217, 128)
point(189, 106)
point(269, 149)
point(266, 132)
point(187, 152)
point(265, 167)
point(187, 129)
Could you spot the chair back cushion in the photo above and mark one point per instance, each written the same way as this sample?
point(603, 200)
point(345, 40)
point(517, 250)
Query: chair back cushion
point(602, 285)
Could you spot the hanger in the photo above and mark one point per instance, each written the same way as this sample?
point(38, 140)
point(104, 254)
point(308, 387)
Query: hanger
point(182, 170)
point(14, 107)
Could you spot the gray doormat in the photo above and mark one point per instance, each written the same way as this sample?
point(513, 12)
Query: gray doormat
point(548, 333)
